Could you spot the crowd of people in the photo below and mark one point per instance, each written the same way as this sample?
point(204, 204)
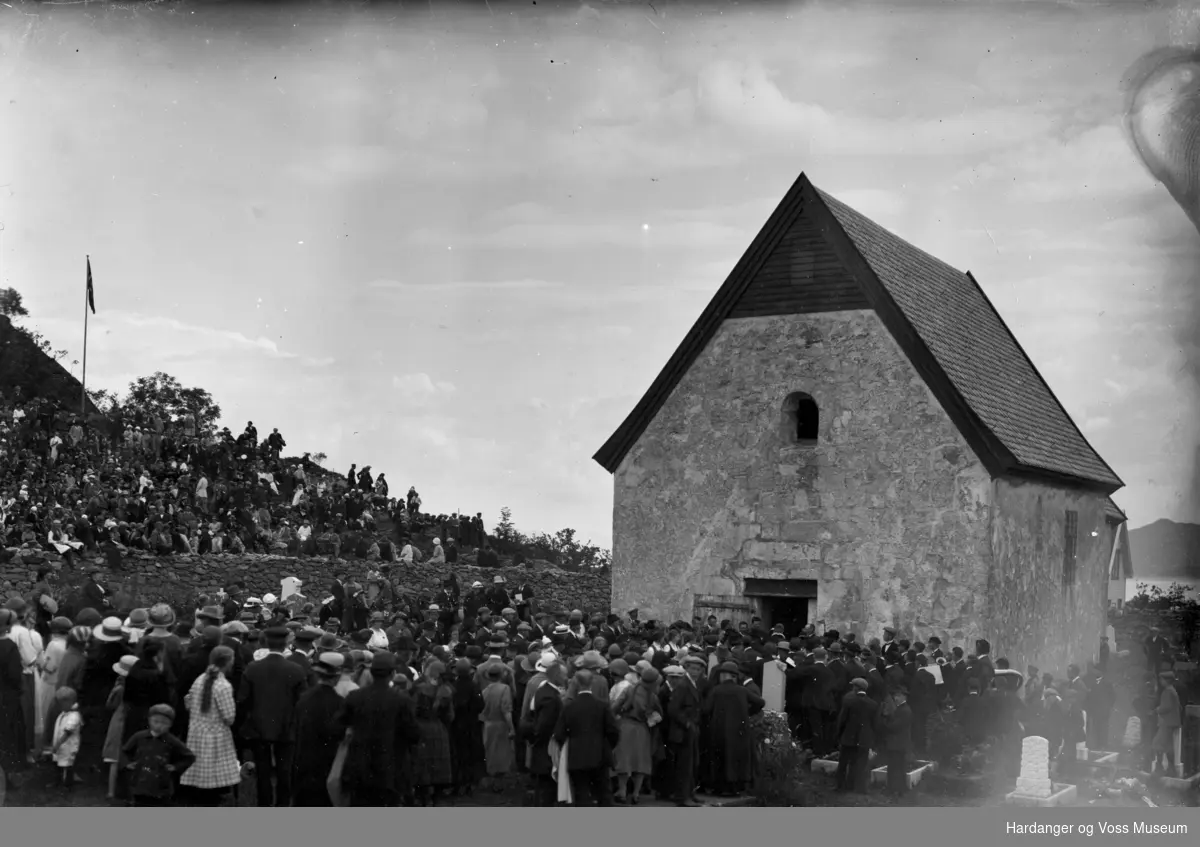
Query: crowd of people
point(466, 690)
point(377, 692)
point(132, 480)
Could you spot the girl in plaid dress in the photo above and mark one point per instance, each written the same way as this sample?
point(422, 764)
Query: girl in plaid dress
point(211, 706)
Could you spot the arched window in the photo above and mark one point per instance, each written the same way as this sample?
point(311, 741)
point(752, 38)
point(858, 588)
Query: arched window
point(801, 419)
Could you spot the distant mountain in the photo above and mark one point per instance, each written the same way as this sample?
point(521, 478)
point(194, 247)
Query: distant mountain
point(1166, 550)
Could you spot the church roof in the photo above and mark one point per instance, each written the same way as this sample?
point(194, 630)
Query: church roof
point(941, 318)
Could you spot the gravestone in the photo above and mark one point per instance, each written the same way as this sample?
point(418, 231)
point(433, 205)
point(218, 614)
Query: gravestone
point(772, 688)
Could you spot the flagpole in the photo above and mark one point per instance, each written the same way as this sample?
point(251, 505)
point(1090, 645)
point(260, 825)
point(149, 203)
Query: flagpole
point(83, 382)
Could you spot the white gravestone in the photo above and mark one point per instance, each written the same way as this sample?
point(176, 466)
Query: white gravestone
point(1034, 780)
point(772, 688)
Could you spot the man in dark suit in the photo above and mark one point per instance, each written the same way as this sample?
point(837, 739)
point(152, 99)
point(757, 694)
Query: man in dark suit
point(895, 724)
point(93, 595)
point(683, 727)
point(538, 727)
point(268, 695)
point(1098, 703)
point(588, 724)
point(383, 727)
point(856, 737)
point(818, 702)
point(318, 733)
point(302, 653)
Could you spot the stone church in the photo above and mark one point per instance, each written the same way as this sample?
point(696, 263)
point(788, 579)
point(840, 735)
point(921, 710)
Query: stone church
point(850, 436)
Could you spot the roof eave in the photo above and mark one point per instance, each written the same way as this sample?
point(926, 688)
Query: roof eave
point(1029, 473)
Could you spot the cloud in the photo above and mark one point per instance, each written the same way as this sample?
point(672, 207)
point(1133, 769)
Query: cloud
point(463, 285)
point(563, 236)
point(1094, 163)
point(420, 387)
point(743, 95)
point(336, 164)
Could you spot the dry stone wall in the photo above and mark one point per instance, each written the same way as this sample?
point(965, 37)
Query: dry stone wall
point(179, 579)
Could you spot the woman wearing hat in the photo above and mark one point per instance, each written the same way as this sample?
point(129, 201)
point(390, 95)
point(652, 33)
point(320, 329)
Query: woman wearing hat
point(638, 710)
point(106, 645)
point(466, 736)
point(111, 754)
point(432, 762)
point(497, 720)
point(52, 658)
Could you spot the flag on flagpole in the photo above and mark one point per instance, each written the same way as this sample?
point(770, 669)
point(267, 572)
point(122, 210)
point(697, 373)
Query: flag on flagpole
point(91, 294)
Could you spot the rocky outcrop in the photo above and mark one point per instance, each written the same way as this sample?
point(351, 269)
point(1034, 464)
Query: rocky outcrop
point(179, 579)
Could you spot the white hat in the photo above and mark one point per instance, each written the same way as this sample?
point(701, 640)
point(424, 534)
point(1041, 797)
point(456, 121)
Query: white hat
point(434, 607)
point(437, 541)
point(547, 660)
point(253, 601)
point(477, 584)
point(269, 599)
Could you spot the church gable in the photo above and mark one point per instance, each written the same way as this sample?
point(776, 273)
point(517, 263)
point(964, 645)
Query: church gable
point(801, 275)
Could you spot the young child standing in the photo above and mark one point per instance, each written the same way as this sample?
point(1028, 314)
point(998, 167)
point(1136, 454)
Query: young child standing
point(154, 756)
point(65, 746)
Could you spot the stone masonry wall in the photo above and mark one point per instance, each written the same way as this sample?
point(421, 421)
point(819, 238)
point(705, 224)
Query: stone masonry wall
point(179, 579)
point(889, 511)
point(1034, 619)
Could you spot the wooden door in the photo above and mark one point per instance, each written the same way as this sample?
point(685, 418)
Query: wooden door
point(724, 606)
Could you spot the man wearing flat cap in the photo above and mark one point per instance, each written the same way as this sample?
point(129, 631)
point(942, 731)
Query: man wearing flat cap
point(268, 695)
point(856, 737)
point(683, 727)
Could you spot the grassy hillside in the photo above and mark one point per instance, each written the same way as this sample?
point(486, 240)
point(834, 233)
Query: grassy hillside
point(1166, 550)
point(24, 364)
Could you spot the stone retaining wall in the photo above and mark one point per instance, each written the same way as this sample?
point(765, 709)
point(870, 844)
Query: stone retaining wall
point(179, 579)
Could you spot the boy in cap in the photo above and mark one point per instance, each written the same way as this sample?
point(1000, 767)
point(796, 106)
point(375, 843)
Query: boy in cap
point(155, 756)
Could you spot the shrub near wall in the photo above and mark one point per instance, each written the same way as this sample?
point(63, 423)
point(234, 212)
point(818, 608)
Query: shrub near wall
point(179, 579)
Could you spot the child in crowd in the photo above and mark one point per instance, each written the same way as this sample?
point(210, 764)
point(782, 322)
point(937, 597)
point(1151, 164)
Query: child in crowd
point(155, 756)
point(65, 746)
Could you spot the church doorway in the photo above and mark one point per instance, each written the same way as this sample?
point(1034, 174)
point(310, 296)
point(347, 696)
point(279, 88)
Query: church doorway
point(789, 602)
point(792, 612)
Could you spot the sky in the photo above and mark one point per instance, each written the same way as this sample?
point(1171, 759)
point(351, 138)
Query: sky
point(458, 242)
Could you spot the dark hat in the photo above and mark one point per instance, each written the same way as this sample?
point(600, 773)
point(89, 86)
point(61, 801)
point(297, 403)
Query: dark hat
point(835, 647)
point(474, 651)
point(328, 642)
point(276, 633)
point(213, 613)
point(307, 635)
point(728, 667)
point(89, 617)
point(383, 662)
point(164, 710)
